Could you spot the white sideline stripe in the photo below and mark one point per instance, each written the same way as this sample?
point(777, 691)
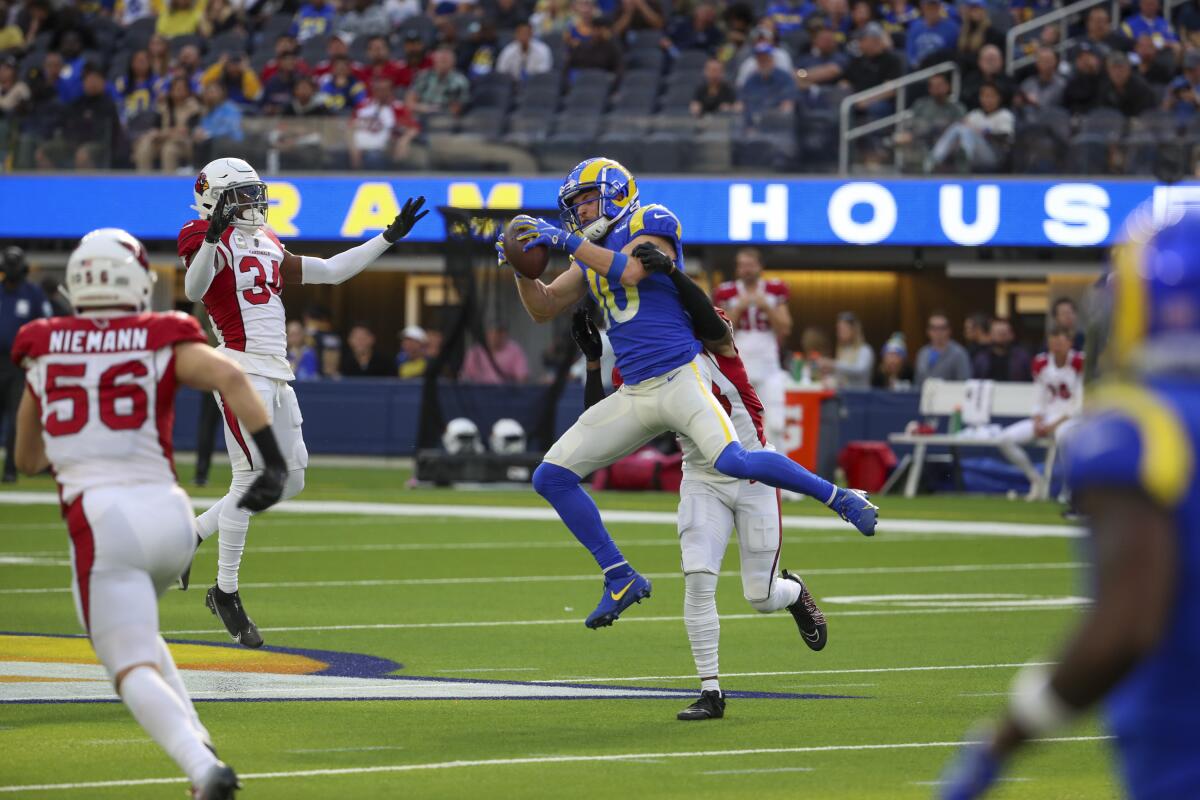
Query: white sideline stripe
point(506, 762)
point(860, 671)
point(826, 523)
point(657, 576)
point(386, 626)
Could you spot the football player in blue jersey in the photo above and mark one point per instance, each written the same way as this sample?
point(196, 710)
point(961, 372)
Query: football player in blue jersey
point(629, 257)
point(1133, 472)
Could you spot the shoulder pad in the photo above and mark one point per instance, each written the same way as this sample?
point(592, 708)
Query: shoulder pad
point(170, 328)
point(32, 341)
point(1039, 363)
point(657, 220)
point(725, 292)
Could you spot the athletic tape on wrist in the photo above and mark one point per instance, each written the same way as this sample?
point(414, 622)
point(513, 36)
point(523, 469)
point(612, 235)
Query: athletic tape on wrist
point(1036, 707)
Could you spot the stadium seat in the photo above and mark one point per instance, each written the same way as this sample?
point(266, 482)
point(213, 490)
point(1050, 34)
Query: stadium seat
point(546, 82)
point(641, 79)
point(486, 122)
point(180, 42)
point(648, 59)
point(666, 152)
point(592, 79)
point(1163, 124)
point(1106, 122)
point(626, 147)
point(1140, 149)
point(584, 99)
point(137, 34)
point(275, 26)
point(574, 124)
point(313, 51)
point(690, 62)
point(1088, 153)
point(635, 100)
point(229, 42)
point(492, 93)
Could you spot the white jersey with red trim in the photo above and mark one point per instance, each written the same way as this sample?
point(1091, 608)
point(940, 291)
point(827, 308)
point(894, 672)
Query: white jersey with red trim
point(734, 392)
point(244, 300)
point(105, 388)
point(755, 338)
point(1059, 388)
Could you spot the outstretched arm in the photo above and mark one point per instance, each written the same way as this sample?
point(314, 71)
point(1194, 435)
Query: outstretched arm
point(347, 264)
point(545, 301)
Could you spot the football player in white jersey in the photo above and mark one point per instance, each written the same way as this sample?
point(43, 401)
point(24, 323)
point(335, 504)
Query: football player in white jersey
point(1058, 382)
point(98, 408)
point(238, 267)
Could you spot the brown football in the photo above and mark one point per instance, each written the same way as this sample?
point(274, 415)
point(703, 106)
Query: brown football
point(531, 264)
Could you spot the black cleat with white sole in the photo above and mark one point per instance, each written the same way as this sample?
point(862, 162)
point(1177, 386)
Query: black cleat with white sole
point(219, 783)
point(228, 608)
point(809, 618)
point(711, 705)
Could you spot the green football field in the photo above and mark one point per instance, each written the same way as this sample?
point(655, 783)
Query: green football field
point(464, 610)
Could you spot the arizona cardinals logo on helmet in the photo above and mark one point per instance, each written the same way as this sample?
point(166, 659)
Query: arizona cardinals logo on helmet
point(201, 183)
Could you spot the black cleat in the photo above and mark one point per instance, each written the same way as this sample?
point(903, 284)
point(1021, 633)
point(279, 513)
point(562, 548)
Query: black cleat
point(809, 618)
point(228, 608)
point(219, 783)
point(711, 705)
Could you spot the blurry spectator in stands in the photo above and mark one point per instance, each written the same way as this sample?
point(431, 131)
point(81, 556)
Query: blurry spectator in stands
point(476, 54)
point(862, 14)
point(1149, 20)
point(1064, 314)
point(360, 360)
point(738, 20)
point(434, 339)
point(159, 50)
point(1183, 95)
point(696, 32)
point(765, 34)
point(931, 38)
point(789, 15)
point(943, 357)
point(135, 89)
point(1156, 67)
point(1187, 23)
point(975, 333)
point(336, 46)
point(380, 64)
point(305, 100)
point(222, 119)
point(988, 68)
point(896, 16)
point(417, 58)
point(768, 88)
point(876, 64)
point(1099, 32)
point(1123, 89)
point(277, 92)
point(178, 112)
point(853, 358)
point(894, 373)
point(14, 93)
point(341, 89)
point(235, 75)
point(640, 15)
point(180, 18)
point(91, 129)
point(314, 18)
point(1044, 88)
point(599, 51)
point(1025, 10)
point(506, 15)
point(1082, 92)
point(1002, 360)
point(441, 89)
point(319, 329)
point(977, 31)
point(410, 361)
point(551, 18)
point(510, 364)
point(931, 116)
point(285, 46)
point(188, 63)
point(581, 22)
point(39, 117)
point(397, 11)
point(824, 63)
point(363, 18)
point(12, 38)
point(383, 129)
point(301, 355)
point(714, 94)
point(982, 138)
point(524, 55)
point(220, 16)
point(70, 76)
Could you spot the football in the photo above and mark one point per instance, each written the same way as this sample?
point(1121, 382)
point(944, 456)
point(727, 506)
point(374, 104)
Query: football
point(531, 264)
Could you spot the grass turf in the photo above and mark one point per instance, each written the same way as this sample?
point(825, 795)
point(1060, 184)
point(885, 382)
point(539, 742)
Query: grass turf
point(322, 572)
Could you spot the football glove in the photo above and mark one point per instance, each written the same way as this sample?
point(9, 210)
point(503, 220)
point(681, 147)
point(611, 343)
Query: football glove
point(532, 232)
point(268, 486)
point(501, 258)
point(219, 220)
point(653, 259)
point(405, 220)
point(585, 334)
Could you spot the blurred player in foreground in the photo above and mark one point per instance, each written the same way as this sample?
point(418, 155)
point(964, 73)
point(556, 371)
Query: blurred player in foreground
point(1132, 467)
point(711, 505)
point(238, 267)
point(98, 408)
point(622, 253)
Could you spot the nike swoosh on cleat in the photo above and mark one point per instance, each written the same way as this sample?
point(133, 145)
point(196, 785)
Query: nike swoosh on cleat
point(815, 635)
point(618, 595)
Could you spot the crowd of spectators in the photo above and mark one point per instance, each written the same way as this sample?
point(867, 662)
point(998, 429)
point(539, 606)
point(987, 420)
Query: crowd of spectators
point(373, 84)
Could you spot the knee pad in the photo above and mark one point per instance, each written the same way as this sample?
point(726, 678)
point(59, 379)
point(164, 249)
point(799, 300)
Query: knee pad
point(294, 484)
point(732, 461)
point(551, 478)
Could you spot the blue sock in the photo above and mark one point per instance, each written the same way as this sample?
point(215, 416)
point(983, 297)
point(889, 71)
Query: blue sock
point(578, 511)
point(773, 469)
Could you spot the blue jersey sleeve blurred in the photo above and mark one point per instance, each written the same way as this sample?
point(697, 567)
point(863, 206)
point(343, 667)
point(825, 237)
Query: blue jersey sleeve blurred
point(1135, 439)
point(658, 220)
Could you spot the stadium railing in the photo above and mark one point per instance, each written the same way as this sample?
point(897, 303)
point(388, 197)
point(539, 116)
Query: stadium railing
point(1061, 17)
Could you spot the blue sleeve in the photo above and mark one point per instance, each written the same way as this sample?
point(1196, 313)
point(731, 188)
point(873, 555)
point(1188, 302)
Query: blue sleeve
point(1106, 453)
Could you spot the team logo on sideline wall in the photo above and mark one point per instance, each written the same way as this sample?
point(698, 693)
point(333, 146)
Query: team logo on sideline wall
point(62, 669)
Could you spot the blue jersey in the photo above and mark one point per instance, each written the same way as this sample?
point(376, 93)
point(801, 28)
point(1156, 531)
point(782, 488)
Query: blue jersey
point(1147, 437)
point(650, 332)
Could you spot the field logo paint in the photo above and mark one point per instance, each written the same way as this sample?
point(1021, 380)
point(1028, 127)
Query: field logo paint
point(62, 669)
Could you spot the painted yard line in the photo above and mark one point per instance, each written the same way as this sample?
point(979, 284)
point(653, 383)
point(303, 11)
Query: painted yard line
point(508, 762)
point(859, 671)
point(658, 576)
point(575, 621)
point(829, 523)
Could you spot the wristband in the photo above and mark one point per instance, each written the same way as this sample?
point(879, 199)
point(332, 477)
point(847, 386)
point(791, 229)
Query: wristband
point(617, 269)
point(574, 242)
point(1035, 707)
